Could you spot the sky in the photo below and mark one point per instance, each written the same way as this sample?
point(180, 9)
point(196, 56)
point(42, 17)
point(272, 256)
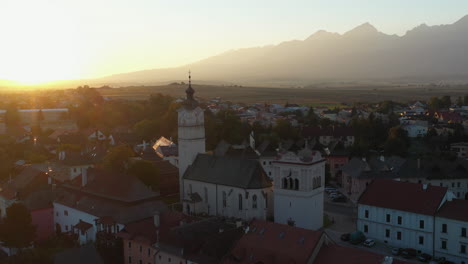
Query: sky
point(44, 40)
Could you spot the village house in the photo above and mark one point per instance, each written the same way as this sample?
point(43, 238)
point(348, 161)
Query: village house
point(401, 214)
point(460, 148)
point(326, 136)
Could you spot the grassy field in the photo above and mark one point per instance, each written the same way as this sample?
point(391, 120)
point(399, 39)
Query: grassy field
point(327, 96)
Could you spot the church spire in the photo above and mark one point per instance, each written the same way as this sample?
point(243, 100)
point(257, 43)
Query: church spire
point(190, 102)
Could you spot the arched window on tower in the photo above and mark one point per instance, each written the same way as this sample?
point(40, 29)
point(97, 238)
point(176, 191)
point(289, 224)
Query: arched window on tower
point(319, 181)
point(224, 199)
point(296, 184)
point(206, 194)
point(285, 183)
point(291, 183)
point(240, 202)
point(254, 201)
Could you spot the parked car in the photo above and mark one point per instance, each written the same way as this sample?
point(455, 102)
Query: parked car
point(340, 199)
point(345, 237)
point(396, 251)
point(424, 257)
point(357, 238)
point(369, 242)
point(409, 253)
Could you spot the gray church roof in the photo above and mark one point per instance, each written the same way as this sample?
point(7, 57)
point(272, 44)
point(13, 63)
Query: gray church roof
point(228, 171)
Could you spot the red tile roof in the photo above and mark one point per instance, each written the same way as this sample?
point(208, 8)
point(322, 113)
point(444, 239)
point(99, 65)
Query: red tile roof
point(456, 209)
point(403, 196)
point(268, 242)
point(336, 254)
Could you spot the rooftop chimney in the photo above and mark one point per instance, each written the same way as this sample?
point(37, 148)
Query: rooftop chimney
point(156, 219)
point(84, 177)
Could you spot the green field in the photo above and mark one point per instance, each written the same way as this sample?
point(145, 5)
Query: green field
point(327, 96)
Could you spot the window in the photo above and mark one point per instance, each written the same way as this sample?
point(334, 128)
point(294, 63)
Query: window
point(66, 227)
point(441, 184)
point(421, 240)
point(463, 232)
point(190, 188)
point(453, 184)
point(264, 163)
point(285, 183)
point(129, 244)
point(366, 229)
point(65, 212)
point(224, 199)
point(463, 248)
point(149, 252)
point(254, 201)
point(387, 232)
point(296, 184)
point(266, 200)
point(388, 218)
point(366, 214)
point(399, 220)
point(398, 235)
point(56, 213)
point(421, 224)
point(240, 201)
point(444, 228)
point(443, 244)
point(168, 259)
point(140, 262)
point(129, 259)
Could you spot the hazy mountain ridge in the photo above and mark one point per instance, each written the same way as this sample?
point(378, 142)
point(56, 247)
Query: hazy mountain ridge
point(432, 52)
point(424, 53)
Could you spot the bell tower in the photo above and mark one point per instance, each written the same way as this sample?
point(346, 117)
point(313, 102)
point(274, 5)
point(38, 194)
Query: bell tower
point(191, 133)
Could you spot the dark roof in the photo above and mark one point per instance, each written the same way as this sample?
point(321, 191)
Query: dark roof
point(74, 158)
point(456, 209)
point(268, 242)
point(374, 167)
point(337, 254)
point(83, 255)
point(83, 226)
point(403, 196)
point(121, 212)
point(229, 171)
point(113, 185)
point(40, 199)
point(434, 169)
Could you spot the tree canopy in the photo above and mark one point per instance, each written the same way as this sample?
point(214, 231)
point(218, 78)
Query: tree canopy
point(17, 230)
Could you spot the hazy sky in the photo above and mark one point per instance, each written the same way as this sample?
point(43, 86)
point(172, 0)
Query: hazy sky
point(62, 39)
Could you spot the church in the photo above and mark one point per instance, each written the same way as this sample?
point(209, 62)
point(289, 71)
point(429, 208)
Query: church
point(239, 188)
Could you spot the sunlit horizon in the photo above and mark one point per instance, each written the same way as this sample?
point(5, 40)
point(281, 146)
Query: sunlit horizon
point(48, 41)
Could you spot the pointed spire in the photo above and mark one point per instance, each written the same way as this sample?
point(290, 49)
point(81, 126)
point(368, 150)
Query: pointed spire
point(190, 101)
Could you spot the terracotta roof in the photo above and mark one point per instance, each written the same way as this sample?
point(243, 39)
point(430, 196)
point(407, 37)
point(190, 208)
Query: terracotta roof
point(456, 209)
point(268, 242)
point(403, 196)
point(336, 254)
point(83, 226)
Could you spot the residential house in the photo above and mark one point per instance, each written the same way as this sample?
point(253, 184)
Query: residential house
point(91, 208)
point(451, 231)
point(401, 214)
point(415, 128)
point(448, 117)
point(358, 173)
point(460, 148)
point(326, 136)
point(167, 150)
point(267, 242)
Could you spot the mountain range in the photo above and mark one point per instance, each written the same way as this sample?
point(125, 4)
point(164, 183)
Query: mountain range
point(425, 53)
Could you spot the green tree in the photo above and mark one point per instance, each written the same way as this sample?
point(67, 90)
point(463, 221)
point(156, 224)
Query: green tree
point(434, 103)
point(397, 142)
point(147, 129)
point(17, 230)
point(284, 129)
point(459, 101)
point(117, 158)
point(147, 172)
point(446, 102)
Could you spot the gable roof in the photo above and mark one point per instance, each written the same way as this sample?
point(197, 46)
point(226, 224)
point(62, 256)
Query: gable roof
point(268, 242)
point(403, 196)
point(456, 209)
point(86, 254)
point(228, 171)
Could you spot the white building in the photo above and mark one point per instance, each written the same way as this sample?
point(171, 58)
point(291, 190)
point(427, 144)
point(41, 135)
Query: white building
point(227, 186)
point(415, 128)
point(451, 231)
point(401, 214)
point(299, 183)
point(461, 149)
point(191, 132)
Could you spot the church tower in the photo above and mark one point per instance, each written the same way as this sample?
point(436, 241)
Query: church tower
point(191, 133)
point(299, 184)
